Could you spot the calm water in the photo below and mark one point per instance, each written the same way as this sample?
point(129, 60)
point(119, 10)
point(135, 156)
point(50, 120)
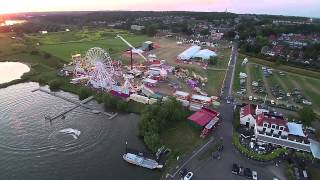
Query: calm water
point(12, 22)
point(32, 148)
point(12, 70)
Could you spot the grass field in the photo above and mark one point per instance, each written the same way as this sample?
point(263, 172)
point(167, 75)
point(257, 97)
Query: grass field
point(183, 136)
point(239, 68)
point(256, 72)
point(115, 47)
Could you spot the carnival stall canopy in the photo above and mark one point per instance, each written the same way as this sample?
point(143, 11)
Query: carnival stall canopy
point(205, 54)
point(189, 53)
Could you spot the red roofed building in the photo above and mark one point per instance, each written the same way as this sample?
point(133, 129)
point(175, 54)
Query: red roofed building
point(273, 129)
point(272, 125)
point(203, 116)
point(247, 114)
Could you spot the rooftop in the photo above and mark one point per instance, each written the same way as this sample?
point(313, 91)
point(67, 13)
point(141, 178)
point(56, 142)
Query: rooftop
point(271, 119)
point(247, 110)
point(203, 116)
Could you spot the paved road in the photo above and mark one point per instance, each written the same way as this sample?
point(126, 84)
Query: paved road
point(221, 169)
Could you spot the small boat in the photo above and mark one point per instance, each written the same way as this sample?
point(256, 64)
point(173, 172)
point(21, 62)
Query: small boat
point(47, 117)
point(141, 161)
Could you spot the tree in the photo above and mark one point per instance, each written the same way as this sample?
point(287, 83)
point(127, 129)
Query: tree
point(307, 116)
point(47, 55)
point(84, 93)
point(55, 85)
point(151, 30)
point(213, 60)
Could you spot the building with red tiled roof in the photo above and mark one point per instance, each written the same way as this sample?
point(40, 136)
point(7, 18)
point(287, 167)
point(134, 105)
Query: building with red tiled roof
point(247, 114)
point(203, 116)
point(273, 129)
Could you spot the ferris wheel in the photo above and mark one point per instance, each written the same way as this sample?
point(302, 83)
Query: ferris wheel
point(99, 70)
point(98, 55)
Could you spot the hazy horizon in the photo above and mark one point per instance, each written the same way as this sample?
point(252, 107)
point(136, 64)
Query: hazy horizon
point(307, 8)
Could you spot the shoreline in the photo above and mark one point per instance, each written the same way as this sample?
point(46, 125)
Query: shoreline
point(21, 79)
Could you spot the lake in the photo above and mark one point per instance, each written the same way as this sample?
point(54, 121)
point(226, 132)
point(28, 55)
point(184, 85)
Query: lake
point(11, 71)
point(82, 146)
point(12, 22)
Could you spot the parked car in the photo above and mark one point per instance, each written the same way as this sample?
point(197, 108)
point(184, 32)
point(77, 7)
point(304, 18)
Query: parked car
point(248, 173)
point(188, 176)
point(254, 175)
point(235, 169)
point(183, 172)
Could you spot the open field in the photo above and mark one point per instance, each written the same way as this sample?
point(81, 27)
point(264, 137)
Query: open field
point(285, 68)
point(183, 136)
point(64, 49)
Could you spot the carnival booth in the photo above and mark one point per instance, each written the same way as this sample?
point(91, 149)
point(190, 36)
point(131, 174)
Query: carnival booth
point(202, 100)
point(120, 91)
point(150, 82)
point(183, 97)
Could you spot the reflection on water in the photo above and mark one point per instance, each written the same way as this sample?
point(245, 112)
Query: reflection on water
point(12, 22)
point(12, 70)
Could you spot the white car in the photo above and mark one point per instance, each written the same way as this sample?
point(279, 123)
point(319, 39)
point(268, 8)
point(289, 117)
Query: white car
point(254, 175)
point(188, 176)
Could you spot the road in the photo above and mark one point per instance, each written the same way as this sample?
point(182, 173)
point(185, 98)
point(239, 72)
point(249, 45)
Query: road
point(221, 169)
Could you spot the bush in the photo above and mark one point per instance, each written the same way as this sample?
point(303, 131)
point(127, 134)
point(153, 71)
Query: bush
point(34, 52)
point(55, 85)
point(42, 81)
point(85, 93)
point(156, 118)
point(253, 155)
point(47, 55)
point(122, 106)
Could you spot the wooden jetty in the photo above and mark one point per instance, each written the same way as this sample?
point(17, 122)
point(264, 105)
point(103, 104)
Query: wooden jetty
point(78, 104)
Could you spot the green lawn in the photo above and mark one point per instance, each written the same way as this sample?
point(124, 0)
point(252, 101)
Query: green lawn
point(239, 68)
point(215, 80)
point(8, 45)
point(182, 138)
point(256, 72)
point(113, 45)
point(224, 55)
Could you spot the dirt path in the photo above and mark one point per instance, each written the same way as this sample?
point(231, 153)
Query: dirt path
point(267, 86)
point(248, 86)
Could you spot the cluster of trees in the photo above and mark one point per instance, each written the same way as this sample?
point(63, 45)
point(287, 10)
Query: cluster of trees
point(213, 60)
point(156, 118)
point(55, 84)
point(307, 116)
point(115, 103)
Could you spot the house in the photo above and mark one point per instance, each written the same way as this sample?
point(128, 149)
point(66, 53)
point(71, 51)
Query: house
point(276, 130)
point(247, 116)
point(137, 27)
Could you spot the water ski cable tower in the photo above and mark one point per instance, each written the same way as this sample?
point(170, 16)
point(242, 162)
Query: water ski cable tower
point(132, 48)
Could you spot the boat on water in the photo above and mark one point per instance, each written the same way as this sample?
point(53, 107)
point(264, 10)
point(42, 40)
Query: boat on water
point(141, 161)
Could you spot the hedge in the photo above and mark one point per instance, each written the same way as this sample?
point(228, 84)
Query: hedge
point(253, 155)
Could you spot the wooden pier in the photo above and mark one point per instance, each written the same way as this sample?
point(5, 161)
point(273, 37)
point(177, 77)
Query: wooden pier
point(78, 104)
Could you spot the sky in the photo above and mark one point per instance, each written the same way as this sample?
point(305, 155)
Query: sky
point(309, 8)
